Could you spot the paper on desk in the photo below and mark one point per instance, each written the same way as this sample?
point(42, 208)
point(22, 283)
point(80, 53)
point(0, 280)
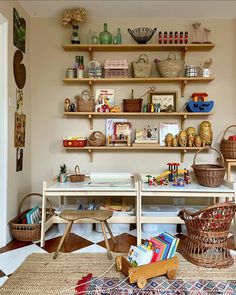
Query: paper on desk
point(109, 175)
point(110, 183)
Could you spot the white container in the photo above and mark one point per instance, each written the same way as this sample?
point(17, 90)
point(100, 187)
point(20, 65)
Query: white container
point(159, 211)
point(117, 227)
point(77, 228)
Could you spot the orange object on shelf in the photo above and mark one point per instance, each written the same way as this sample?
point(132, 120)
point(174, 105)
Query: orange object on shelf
point(74, 142)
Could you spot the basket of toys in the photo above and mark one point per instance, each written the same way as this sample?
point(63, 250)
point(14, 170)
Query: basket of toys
point(210, 175)
point(77, 177)
point(85, 103)
point(228, 146)
point(171, 67)
point(26, 225)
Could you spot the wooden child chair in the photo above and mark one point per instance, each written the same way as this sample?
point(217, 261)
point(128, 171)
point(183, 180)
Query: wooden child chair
point(99, 215)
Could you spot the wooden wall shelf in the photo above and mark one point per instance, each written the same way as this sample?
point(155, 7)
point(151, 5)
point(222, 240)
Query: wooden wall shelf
point(182, 115)
point(91, 149)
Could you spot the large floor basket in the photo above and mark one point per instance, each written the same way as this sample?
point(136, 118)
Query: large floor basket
point(228, 147)
point(210, 175)
point(207, 234)
point(27, 232)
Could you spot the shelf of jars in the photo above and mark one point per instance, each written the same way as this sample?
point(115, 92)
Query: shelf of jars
point(90, 115)
point(91, 149)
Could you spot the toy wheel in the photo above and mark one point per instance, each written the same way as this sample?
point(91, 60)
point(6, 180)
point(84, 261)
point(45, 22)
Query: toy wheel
point(118, 264)
point(141, 282)
point(171, 273)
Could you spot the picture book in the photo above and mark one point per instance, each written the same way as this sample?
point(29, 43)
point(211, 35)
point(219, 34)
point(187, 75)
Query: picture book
point(165, 128)
point(163, 245)
point(172, 240)
point(139, 255)
point(104, 100)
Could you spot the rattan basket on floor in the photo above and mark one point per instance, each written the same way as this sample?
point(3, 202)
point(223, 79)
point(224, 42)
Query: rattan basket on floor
point(27, 232)
point(207, 235)
point(228, 147)
point(210, 175)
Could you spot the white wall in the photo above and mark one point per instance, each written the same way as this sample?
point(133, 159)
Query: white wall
point(19, 183)
point(49, 62)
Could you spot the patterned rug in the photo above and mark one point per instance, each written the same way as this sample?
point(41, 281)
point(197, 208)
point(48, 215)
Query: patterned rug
point(39, 274)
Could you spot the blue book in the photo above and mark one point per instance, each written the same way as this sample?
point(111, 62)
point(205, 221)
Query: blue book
point(173, 242)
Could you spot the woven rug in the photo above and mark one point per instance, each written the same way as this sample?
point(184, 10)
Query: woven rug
point(40, 274)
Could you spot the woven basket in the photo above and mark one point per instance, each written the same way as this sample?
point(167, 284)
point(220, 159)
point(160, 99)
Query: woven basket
point(141, 67)
point(171, 67)
point(97, 138)
point(27, 232)
point(77, 177)
point(211, 175)
point(228, 147)
point(132, 105)
point(84, 102)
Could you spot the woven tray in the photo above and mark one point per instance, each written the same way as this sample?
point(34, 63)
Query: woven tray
point(210, 175)
point(27, 232)
point(228, 147)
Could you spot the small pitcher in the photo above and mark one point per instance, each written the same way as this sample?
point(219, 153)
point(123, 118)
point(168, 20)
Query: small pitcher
point(206, 73)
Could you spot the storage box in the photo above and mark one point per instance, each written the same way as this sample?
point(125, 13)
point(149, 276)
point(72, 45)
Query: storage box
point(118, 227)
point(159, 211)
point(116, 68)
point(74, 142)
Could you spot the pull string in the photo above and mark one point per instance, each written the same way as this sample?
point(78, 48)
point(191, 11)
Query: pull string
point(72, 288)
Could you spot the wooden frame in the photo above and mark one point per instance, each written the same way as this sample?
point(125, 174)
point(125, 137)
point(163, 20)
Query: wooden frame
point(165, 99)
point(122, 128)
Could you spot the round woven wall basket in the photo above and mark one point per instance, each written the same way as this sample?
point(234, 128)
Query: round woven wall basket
point(228, 147)
point(210, 175)
point(97, 138)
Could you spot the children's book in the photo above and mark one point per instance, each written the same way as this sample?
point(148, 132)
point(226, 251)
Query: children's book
point(172, 240)
point(163, 245)
point(139, 255)
point(104, 100)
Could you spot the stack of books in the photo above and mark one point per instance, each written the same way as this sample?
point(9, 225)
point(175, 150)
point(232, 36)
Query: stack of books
point(157, 248)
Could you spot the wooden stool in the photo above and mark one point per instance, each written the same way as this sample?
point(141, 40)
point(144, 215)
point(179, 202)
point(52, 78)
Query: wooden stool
point(100, 215)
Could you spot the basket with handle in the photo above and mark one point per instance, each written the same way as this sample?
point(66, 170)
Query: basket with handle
point(27, 232)
point(228, 147)
point(171, 67)
point(77, 177)
point(141, 67)
point(210, 175)
point(85, 103)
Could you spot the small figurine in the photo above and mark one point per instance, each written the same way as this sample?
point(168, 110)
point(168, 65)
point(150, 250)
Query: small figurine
point(191, 134)
point(66, 105)
point(170, 37)
point(168, 139)
point(183, 138)
point(160, 37)
point(181, 37)
point(175, 141)
point(206, 133)
point(72, 107)
point(165, 37)
point(186, 37)
point(176, 38)
point(198, 141)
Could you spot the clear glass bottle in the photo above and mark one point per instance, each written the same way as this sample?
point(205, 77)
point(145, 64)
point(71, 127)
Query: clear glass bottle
point(94, 38)
point(105, 37)
point(118, 36)
point(89, 37)
point(75, 39)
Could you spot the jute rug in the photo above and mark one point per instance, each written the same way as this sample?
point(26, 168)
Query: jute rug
point(40, 274)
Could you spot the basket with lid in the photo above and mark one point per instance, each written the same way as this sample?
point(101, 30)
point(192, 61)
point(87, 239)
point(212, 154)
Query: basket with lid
point(23, 231)
point(85, 103)
point(210, 175)
point(77, 177)
point(228, 147)
point(171, 67)
point(141, 67)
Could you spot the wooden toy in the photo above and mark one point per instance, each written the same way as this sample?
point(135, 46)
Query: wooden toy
point(141, 274)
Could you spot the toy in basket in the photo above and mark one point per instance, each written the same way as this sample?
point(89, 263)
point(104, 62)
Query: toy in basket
point(228, 146)
point(77, 177)
point(210, 175)
point(85, 103)
point(21, 230)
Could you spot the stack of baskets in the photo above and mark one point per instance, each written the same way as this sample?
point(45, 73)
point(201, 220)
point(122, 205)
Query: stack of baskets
point(171, 67)
point(27, 232)
point(228, 147)
point(210, 175)
point(85, 103)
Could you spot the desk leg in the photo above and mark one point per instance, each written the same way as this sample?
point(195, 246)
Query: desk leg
point(138, 216)
point(42, 242)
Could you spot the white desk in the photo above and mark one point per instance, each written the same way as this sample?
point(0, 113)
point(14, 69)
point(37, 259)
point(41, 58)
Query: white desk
point(193, 190)
point(121, 188)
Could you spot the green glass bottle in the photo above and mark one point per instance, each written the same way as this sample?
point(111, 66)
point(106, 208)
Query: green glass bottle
point(118, 36)
point(105, 37)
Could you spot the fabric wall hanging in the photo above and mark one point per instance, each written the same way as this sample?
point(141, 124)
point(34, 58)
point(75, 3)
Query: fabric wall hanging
point(19, 30)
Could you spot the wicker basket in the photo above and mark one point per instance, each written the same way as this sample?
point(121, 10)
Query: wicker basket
point(84, 102)
point(132, 105)
point(207, 235)
point(228, 147)
point(97, 138)
point(210, 175)
point(77, 177)
point(141, 67)
point(27, 232)
point(171, 67)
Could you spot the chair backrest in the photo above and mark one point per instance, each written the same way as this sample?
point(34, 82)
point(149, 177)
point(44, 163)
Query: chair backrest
point(215, 218)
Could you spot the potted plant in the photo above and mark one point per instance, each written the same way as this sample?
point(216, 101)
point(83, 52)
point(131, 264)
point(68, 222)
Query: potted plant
point(63, 173)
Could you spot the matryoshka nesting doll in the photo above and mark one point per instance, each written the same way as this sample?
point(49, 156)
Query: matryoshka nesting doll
point(169, 139)
point(206, 133)
point(198, 141)
point(183, 138)
point(191, 134)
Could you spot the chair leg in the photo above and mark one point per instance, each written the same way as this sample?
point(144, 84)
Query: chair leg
point(63, 238)
point(110, 232)
point(106, 240)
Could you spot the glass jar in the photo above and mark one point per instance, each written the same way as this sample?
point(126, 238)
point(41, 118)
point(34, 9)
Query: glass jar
point(105, 37)
point(94, 38)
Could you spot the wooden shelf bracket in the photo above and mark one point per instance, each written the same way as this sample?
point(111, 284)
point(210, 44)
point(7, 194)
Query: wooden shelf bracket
point(90, 155)
point(183, 85)
point(183, 152)
point(90, 53)
point(90, 121)
point(183, 118)
point(184, 51)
